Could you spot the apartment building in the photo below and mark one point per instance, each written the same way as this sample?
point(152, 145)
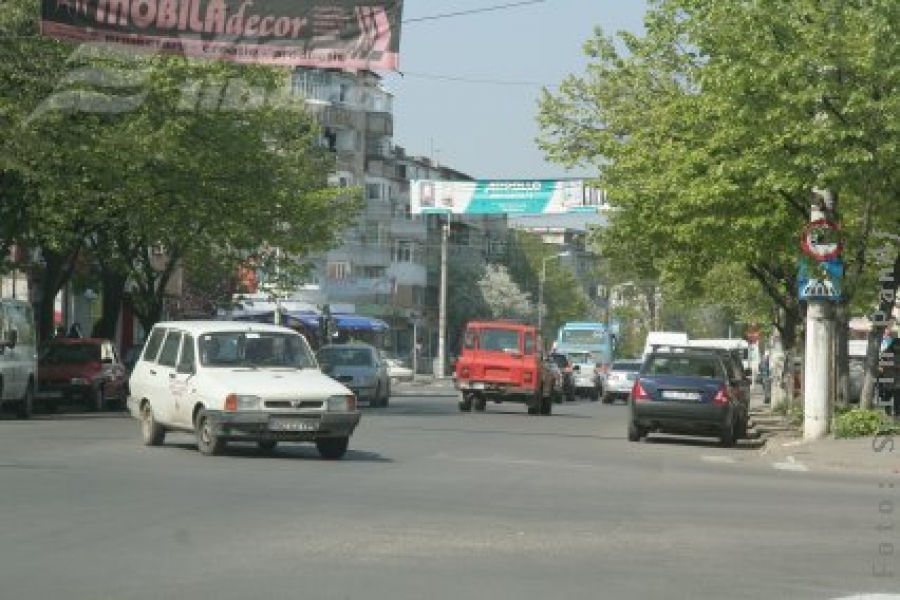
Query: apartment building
point(388, 264)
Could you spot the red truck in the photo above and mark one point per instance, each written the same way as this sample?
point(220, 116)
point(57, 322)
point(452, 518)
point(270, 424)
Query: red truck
point(503, 361)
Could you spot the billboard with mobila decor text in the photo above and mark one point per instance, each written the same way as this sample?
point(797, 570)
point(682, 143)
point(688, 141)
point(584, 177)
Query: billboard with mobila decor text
point(340, 34)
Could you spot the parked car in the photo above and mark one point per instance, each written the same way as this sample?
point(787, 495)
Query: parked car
point(687, 392)
point(586, 376)
point(568, 375)
point(361, 368)
point(503, 361)
point(18, 356)
point(619, 380)
point(88, 370)
point(232, 381)
point(397, 369)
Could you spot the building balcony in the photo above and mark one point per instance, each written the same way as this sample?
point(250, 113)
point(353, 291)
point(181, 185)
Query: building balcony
point(380, 123)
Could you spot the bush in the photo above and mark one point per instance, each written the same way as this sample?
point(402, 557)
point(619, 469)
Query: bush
point(860, 423)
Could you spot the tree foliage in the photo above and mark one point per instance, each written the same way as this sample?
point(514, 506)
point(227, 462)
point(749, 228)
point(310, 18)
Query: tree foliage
point(504, 298)
point(711, 130)
point(155, 162)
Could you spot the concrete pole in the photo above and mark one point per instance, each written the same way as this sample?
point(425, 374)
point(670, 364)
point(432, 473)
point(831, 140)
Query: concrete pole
point(442, 316)
point(816, 380)
point(540, 320)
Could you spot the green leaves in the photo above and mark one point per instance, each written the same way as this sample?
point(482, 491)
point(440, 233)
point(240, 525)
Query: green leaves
point(710, 131)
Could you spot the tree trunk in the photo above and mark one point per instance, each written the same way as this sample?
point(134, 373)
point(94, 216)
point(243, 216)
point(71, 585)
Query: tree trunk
point(57, 272)
point(113, 290)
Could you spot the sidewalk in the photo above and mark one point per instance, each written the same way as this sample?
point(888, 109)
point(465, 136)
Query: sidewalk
point(786, 449)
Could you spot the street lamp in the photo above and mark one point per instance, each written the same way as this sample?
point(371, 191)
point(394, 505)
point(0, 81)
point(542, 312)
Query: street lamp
point(541, 288)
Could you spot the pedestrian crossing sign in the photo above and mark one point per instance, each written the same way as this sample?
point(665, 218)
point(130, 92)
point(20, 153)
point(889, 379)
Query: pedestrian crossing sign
point(820, 280)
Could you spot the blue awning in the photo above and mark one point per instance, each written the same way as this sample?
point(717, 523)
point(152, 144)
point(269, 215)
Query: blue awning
point(360, 323)
point(310, 319)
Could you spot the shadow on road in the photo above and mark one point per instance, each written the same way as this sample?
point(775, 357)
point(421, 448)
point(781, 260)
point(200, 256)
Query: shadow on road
point(660, 439)
point(284, 451)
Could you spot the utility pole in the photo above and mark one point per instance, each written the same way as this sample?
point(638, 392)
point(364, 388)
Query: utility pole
point(820, 291)
point(442, 316)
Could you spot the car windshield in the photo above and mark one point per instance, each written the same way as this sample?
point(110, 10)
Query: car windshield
point(696, 366)
point(501, 340)
point(72, 353)
point(630, 366)
point(583, 336)
point(242, 348)
point(581, 358)
point(346, 357)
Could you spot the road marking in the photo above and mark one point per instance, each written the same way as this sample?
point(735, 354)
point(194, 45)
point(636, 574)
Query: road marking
point(790, 464)
point(719, 459)
point(501, 460)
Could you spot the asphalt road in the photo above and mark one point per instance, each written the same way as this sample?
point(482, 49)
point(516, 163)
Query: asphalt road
point(431, 503)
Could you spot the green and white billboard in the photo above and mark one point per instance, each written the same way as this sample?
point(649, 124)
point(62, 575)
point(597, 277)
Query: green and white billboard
point(503, 196)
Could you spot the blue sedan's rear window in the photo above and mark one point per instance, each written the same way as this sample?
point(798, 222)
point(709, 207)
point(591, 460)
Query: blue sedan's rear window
point(696, 366)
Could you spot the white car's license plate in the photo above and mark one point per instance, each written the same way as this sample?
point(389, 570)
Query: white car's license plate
point(679, 395)
point(292, 424)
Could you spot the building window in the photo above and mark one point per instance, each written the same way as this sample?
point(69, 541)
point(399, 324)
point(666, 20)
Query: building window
point(373, 191)
point(404, 251)
point(339, 270)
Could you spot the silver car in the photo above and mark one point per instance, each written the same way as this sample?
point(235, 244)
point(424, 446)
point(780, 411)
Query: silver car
point(360, 367)
point(620, 380)
point(584, 373)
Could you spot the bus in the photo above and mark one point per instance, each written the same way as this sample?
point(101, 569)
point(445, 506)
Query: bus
point(586, 337)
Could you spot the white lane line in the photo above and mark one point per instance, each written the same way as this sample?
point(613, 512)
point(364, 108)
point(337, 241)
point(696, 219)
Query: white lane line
point(502, 460)
point(725, 460)
point(790, 464)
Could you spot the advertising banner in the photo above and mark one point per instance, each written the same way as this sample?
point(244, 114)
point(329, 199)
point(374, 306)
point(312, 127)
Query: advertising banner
point(492, 197)
point(340, 34)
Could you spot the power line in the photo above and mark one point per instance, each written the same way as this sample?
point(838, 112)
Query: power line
point(473, 11)
point(475, 80)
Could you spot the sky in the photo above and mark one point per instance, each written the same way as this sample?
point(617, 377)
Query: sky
point(469, 88)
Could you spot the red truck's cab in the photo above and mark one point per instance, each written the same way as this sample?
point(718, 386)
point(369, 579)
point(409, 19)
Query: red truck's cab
point(502, 361)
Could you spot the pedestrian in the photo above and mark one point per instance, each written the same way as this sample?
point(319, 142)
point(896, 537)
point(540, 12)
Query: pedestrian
point(60, 331)
point(75, 331)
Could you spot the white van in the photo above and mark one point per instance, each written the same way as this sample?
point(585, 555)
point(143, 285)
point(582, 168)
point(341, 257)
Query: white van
point(664, 338)
point(18, 356)
point(728, 344)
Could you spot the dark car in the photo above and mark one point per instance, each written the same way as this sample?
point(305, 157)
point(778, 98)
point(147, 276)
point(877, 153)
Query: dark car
point(568, 375)
point(555, 375)
point(361, 368)
point(82, 369)
point(688, 392)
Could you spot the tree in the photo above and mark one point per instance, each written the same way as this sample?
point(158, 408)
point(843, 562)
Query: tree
point(503, 297)
point(156, 162)
point(711, 131)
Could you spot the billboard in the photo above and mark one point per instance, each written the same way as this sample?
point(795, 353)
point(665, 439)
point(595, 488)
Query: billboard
point(341, 34)
point(503, 196)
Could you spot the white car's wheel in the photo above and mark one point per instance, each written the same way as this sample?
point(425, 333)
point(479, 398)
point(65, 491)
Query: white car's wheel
point(152, 432)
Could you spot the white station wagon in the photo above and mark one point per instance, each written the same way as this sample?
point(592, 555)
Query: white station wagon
point(234, 381)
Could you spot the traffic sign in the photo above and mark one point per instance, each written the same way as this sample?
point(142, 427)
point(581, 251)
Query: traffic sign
point(821, 240)
point(820, 280)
